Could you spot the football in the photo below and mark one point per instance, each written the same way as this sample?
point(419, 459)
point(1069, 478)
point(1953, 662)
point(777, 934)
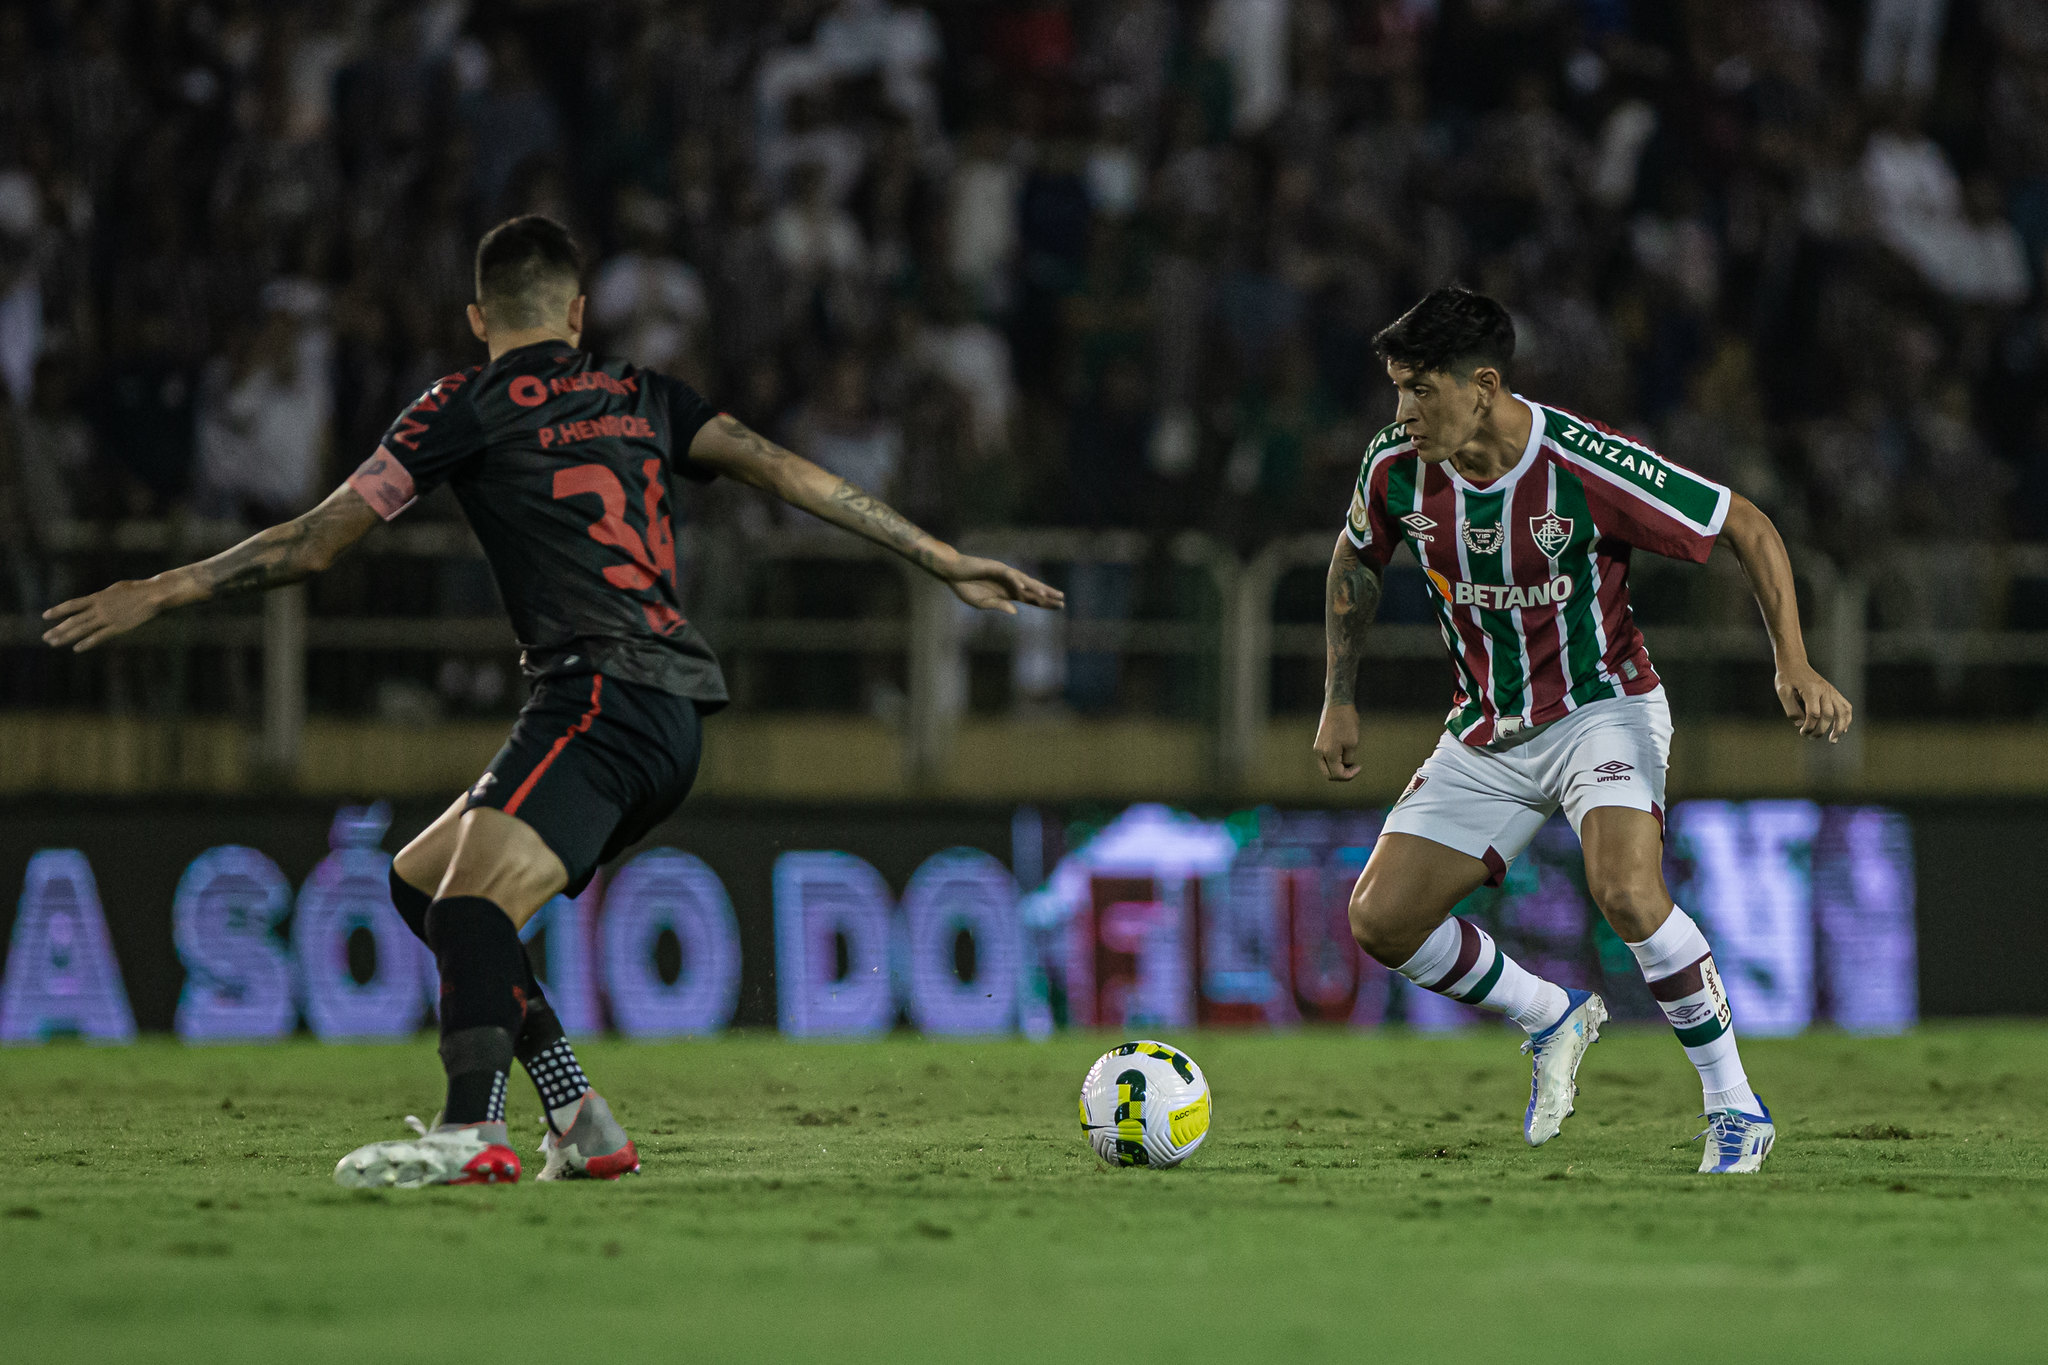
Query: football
point(1145, 1104)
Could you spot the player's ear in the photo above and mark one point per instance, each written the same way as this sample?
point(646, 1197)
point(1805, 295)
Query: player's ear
point(476, 325)
point(576, 319)
point(1486, 380)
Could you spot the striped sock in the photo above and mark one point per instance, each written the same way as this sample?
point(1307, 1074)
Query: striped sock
point(1679, 966)
point(1462, 961)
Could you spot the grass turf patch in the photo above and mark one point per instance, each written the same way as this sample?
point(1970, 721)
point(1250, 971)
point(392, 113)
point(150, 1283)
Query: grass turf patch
point(1362, 1196)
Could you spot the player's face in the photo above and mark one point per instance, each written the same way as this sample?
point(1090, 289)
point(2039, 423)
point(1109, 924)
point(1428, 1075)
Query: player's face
point(1440, 411)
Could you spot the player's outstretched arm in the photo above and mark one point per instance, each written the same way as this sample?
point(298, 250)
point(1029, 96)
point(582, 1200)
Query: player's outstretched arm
point(727, 445)
point(1351, 596)
point(285, 553)
point(1810, 700)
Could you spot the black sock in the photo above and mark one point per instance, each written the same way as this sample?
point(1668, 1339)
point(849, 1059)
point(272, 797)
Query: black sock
point(477, 1061)
point(411, 904)
point(483, 1004)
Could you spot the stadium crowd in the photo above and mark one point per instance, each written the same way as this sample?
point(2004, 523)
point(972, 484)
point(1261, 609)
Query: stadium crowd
point(1103, 264)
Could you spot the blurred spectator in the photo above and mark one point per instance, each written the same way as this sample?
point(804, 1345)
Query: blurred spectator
point(820, 249)
point(1128, 57)
point(512, 120)
point(981, 215)
point(263, 415)
point(1966, 250)
point(53, 445)
point(146, 417)
point(21, 286)
point(1251, 37)
point(1901, 39)
point(974, 359)
point(840, 429)
point(646, 303)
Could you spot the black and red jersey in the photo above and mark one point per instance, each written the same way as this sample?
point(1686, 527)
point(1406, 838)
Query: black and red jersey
point(559, 460)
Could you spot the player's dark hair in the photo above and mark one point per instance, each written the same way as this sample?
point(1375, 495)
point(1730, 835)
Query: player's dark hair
point(1452, 330)
point(527, 270)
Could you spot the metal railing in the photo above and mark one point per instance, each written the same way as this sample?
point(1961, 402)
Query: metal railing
point(1942, 607)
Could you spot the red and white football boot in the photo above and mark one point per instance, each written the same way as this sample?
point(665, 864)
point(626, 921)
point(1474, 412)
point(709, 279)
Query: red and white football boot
point(446, 1154)
point(584, 1142)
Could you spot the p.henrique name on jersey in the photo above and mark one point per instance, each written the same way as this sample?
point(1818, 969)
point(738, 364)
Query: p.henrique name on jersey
point(560, 458)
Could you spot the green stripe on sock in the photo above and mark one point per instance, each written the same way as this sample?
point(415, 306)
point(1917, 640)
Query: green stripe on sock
point(1478, 992)
point(1701, 1034)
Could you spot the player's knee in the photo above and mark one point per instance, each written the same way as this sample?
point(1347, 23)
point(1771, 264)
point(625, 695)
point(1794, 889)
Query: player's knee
point(1632, 901)
point(518, 879)
point(1372, 923)
point(417, 867)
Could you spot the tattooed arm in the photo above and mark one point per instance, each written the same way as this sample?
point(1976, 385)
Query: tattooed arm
point(728, 446)
point(286, 553)
point(1351, 596)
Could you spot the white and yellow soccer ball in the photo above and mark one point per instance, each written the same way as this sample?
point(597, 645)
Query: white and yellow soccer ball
point(1145, 1104)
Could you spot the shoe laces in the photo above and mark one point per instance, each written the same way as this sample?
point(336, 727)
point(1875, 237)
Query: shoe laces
point(1721, 1126)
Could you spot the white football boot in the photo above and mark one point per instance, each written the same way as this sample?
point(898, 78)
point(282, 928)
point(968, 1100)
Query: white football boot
point(1737, 1143)
point(473, 1154)
point(584, 1142)
point(1558, 1050)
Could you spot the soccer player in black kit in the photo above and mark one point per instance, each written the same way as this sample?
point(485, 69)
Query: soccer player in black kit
point(559, 460)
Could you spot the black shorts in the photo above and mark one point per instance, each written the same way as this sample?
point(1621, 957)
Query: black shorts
point(593, 764)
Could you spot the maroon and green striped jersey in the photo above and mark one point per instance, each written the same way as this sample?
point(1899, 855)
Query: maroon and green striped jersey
point(1529, 573)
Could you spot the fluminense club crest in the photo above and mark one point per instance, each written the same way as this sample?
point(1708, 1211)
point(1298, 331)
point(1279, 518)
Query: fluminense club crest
point(1551, 532)
point(1482, 540)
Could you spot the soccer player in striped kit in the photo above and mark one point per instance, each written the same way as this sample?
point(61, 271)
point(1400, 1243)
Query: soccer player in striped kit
point(1523, 518)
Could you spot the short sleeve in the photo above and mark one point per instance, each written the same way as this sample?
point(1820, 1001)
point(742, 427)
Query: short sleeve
point(1367, 525)
point(422, 449)
point(1637, 496)
point(686, 413)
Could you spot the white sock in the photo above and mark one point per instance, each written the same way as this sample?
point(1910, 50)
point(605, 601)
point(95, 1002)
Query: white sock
point(1679, 966)
point(1462, 961)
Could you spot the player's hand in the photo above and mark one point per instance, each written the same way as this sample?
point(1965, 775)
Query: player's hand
point(991, 585)
point(84, 622)
point(1337, 742)
point(1813, 704)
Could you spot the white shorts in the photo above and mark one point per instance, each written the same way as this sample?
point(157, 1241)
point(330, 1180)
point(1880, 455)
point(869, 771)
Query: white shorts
point(1489, 804)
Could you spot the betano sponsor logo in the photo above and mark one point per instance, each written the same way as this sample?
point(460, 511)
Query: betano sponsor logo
point(1501, 596)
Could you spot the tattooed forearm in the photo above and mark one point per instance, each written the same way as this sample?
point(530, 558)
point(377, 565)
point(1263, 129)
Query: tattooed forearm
point(1351, 597)
point(732, 448)
point(267, 560)
point(749, 440)
point(286, 553)
point(862, 512)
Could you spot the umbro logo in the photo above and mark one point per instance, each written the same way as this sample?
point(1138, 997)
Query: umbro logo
point(1686, 1015)
point(1614, 770)
point(1418, 526)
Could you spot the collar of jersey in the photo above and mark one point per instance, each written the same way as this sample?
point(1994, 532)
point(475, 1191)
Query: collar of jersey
point(531, 346)
point(1507, 480)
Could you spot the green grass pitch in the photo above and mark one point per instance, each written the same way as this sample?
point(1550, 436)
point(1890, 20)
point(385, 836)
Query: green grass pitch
point(1361, 1198)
